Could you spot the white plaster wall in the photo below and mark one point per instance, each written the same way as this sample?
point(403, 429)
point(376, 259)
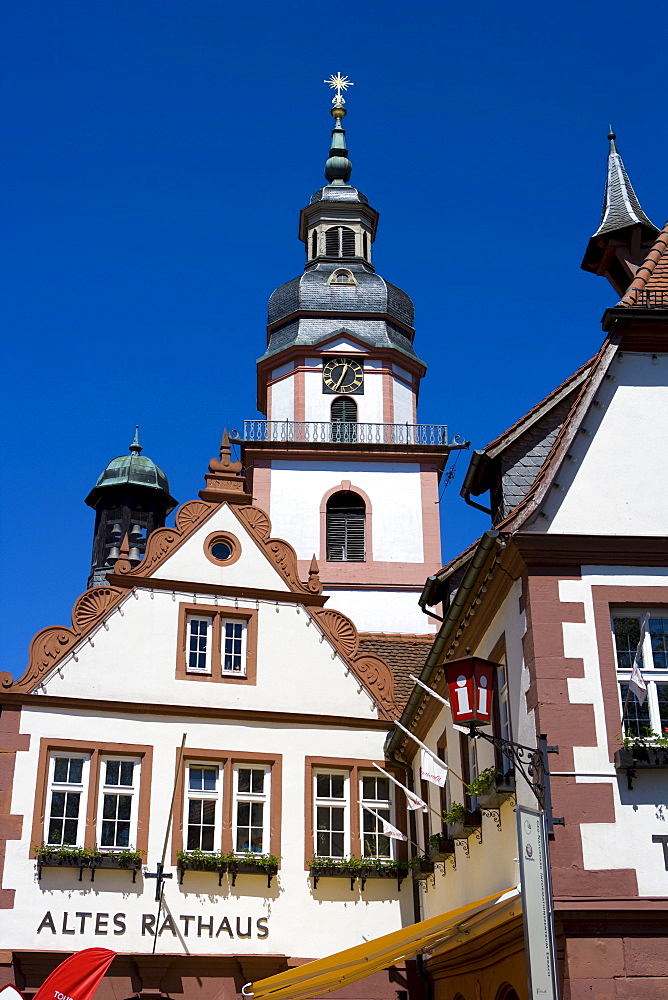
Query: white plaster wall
point(617, 481)
point(317, 404)
point(404, 403)
point(135, 660)
point(283, 399)
point(382, 611)
point(394, 489)
point(301, 921)
point(252, 568)
point(642, 812)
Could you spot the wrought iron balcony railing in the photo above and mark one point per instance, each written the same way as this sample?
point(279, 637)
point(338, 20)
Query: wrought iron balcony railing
point(346, 432)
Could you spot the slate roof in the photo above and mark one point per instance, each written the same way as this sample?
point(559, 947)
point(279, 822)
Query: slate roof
point(404, 654)
point(621, 207)
point(651, 276)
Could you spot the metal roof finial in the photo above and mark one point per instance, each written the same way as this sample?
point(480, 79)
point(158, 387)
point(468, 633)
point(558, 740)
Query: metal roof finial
point(135, 446)
point(338, 167)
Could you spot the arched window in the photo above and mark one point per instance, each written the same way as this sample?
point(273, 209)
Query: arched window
point(344, 419)
point(340, 242)
point(346, 527)
point(365, 246)
point(342, 277)
point(314, 243)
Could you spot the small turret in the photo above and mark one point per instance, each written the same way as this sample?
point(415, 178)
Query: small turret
point(131, 498)
point(621, 242)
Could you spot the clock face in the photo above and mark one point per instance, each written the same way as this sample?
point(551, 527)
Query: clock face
point(343, 375)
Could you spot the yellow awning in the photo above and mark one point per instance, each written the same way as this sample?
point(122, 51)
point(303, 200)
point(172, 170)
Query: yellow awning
point(335, 971)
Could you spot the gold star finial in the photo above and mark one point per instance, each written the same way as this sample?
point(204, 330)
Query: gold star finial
point(339, 83)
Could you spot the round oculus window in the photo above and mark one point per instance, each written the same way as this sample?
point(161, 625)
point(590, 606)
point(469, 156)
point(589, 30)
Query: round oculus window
point(222, 548)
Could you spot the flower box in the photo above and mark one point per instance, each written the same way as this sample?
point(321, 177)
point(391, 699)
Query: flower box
point(642, 757)
point(231, 867)
point(462, 830)
point(355, 872)
point(91, 862)
point(423, 870)
point(444, 849)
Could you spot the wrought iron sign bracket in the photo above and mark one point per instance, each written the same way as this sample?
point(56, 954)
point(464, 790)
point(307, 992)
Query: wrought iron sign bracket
point(532, 764)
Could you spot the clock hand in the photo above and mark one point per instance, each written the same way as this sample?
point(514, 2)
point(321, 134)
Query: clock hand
point(345, 369)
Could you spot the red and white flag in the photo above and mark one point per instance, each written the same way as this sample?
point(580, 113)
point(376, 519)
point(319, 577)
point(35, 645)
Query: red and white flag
point(637, 682)
point(433, 770)
point(78, 977)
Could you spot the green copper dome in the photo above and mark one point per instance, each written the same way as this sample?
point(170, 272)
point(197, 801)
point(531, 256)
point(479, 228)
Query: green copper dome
point(134, 468)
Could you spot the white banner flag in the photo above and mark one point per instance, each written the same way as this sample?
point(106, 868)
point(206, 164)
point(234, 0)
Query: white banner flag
point(414, 802)
point(433, 770)
point(386, 827)
point(391, 831)
point(637, 682)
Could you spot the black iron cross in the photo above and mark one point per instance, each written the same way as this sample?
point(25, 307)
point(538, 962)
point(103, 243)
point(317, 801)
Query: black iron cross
point(159, 876)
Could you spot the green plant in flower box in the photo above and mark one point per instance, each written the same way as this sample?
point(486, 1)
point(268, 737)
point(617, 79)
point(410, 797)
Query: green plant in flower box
point(455, 814)
point(484, 781)
point(646, 740)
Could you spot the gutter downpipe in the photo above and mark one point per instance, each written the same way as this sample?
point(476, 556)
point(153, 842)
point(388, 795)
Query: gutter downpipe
point(465, 492)
point(488, 541)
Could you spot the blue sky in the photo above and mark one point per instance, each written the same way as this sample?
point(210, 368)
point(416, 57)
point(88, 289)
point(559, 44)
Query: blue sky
point(156, 158)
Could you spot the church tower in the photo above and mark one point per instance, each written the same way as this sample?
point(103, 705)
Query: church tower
point(131, 499)
point(341, 464)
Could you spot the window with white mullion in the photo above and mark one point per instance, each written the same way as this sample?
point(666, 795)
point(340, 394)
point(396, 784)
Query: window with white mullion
point(234, 632)
point(198, 644)
point(203, 807)
point(68, 787)
point(375, 792)
point(251, 809)
point(652, 715)
point(119, 786)
point(332, 816)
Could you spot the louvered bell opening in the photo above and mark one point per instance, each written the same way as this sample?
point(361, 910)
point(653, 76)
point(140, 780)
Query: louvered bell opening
point(344, 408)
point(346, 518)
point(344, 420)
point(340, 242)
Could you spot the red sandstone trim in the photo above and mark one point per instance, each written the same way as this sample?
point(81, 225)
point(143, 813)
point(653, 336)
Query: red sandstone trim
point(11, 826)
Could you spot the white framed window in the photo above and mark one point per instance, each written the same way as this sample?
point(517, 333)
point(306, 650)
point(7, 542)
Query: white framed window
point(203, 807)
point(332, 814)
point(233, 636)
point(652, 716)
point(251, 791)
point(67, 799)
point(198, 645)
point(502, 720)
point(117, 809)
point(375, 792)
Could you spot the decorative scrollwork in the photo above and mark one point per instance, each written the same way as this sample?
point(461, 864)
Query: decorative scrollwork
point(93, 604)
point(257, 520)
point(377, 676)
point(191, 513)
point(464, 844)
point(340, 630)
point(494, 814)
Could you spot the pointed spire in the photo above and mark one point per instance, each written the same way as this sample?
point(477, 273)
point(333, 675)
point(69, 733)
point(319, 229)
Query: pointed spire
point(135, 447)
point(621, 208)
point(314, 583)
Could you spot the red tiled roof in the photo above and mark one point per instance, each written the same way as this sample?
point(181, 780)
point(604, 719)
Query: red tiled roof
point(404, 654)
point(652, 273)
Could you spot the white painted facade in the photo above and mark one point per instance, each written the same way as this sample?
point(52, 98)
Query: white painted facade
point(130, 656)
point(627, 495)
point(395, 497)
